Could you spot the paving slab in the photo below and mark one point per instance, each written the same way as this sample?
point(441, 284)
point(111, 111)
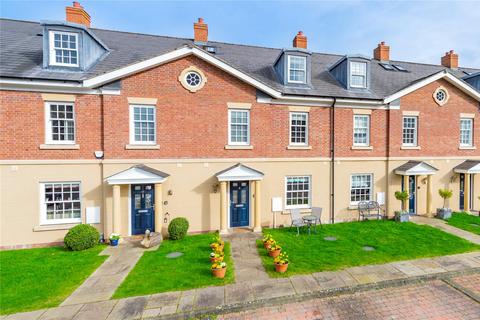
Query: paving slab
point(97, 310)
point(31, 315)
point(304, 283)
point(408, 268)
point(163, 299)
point(272, 288)
point(429, 266)
point(61, 313)
point(334, 279)
point(187, 300)
point(238, 293)
point(210, 297)
point(128, 309)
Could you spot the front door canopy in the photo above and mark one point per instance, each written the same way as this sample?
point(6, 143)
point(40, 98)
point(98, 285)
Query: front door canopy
point(239, 172)
point(139, 174)
point(468, 166)
point(415, 168)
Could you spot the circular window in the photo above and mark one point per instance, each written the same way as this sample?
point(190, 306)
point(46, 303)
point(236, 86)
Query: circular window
point(440, 96)
point(192, 79)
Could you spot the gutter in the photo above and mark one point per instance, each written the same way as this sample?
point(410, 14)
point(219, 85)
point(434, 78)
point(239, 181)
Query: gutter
point(332, 161)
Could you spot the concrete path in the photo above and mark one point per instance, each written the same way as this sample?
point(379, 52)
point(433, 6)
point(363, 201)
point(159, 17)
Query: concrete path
point(101, 285)
point(248, 264)
point(442, 225)
point(258, 293)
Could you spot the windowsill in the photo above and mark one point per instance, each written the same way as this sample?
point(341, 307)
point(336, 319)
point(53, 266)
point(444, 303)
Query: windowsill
point(467, 148)
point(142, 147)
point(238, 147)
point(293, 147)
point(59, 146)
point(362, 148)
point(52, 227)
point(410, 148)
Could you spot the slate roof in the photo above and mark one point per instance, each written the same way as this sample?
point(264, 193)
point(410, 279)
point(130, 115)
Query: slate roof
point(412, 164)
point(467, 165)
point(21, 57)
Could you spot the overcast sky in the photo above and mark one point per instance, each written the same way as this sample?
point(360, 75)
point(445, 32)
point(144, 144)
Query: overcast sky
point(415, 30)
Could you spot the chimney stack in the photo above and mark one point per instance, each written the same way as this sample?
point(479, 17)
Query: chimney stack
point(200, 31)
point(300, 40)
point(450, 60)
point(382, 52)
point(77, 14)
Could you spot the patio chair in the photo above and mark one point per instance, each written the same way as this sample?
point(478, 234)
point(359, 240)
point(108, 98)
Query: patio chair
point(297, 220)
point(374, 210)
point(362, 210)
point(317, 212)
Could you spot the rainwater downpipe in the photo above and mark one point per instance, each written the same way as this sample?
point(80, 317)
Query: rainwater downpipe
point(332, 161)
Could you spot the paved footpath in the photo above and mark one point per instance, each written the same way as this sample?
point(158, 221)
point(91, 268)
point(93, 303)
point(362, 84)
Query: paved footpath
point(442, 225)
point(258, 293)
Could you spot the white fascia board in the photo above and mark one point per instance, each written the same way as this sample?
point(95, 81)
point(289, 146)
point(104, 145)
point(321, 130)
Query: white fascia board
point(50, 86)
point(176, 54)
point(442, 74)
point(135, 181)
point(324, 102)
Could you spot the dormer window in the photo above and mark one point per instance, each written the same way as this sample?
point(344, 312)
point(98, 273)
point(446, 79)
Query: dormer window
point(358, 74)
point(297, 69)
point(63, 49)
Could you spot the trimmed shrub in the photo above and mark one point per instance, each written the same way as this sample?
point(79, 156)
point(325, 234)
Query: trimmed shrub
point(81, 237)
point(177, 229)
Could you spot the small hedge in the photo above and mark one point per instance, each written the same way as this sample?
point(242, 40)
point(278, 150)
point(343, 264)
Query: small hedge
point(81, 237)
point(177, 229)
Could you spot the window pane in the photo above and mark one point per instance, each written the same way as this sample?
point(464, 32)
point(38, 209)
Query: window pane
point(297, 68)
point(361, 188)
point(239, 126)
point(358, 74)
point(361, 127)
point(144, 123)
point(294, 197)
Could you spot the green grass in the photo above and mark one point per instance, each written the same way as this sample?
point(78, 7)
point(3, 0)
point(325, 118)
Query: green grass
point(392, 241)
point(155, 273)
point(41, 278)
point(465, 221)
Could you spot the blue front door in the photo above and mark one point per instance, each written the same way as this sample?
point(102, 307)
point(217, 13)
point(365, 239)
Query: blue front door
point(143, 212)
point(462, 191)
point(412, 188)
point(239, 204)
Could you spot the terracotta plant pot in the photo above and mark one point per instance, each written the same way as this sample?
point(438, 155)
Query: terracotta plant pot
point(213, 259)
point(274, 253)
point(220, 248)
point(281, 268)
point(219, 273)
point(266, 245)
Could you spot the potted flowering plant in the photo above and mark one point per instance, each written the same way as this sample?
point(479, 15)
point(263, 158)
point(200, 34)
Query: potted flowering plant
point(216, 256)
point(217, 244)
point(114, 237)
point(274, 250)
point(219, 269)
point(281, 262)
point(267, 240)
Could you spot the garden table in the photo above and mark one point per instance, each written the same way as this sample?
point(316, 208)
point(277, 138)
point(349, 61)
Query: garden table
point(311, 220)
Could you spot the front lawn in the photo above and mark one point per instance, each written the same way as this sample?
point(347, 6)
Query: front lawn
point(465, 221)
point(156, 273)
point(392, 242)
point(42, 278)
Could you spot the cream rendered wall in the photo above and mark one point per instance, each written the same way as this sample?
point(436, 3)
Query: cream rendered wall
point(20, 199)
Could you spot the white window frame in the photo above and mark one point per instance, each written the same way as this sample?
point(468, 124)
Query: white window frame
point(236, 143)
point(48, 124)
point(354, 203)
point(52, 55)
point(415, 135)
point(362, 144)
point(43, 207)
point(299, 206)
point(470, 143)
point(132, 124)
point(306, 129)
point(304, 69)
point(358, 74)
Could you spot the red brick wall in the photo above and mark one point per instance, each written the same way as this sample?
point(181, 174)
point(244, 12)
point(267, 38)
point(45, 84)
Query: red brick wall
point(22, 127)
point(438, 126)
point(196, 124)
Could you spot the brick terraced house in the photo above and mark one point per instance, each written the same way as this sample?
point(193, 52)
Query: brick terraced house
point(126, 131)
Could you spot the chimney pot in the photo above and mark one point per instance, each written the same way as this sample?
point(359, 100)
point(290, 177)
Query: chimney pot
point(450, 60)
point(300, 40)
point(382, 52)
point(77, 14)
point(200, 31)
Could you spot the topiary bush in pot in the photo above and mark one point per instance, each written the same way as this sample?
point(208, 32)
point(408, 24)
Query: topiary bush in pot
point(402, 216)
point(444, 213)
point(177, 229)
point(81, 237)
